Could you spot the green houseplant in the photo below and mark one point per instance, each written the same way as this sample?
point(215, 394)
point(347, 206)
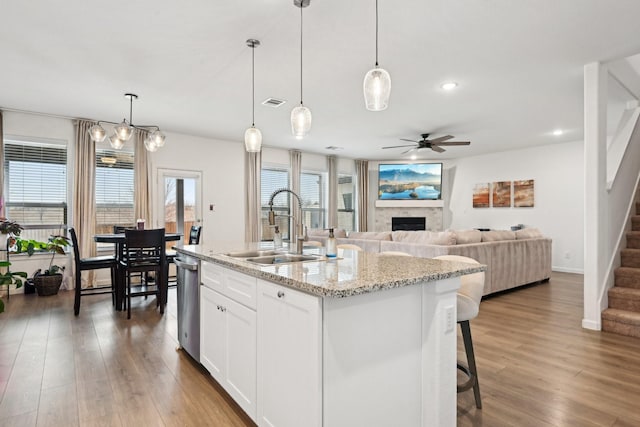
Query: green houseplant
point(47, 283)
point(9, 230)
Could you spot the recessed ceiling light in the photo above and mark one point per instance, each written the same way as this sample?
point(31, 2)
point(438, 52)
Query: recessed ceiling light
point(413, 157)
point(558, 132)
point(449, 85)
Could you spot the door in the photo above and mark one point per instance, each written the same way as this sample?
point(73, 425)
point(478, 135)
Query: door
point(180, 201)
point(212, 333)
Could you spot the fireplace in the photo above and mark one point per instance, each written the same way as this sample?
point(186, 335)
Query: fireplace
point(408, 223)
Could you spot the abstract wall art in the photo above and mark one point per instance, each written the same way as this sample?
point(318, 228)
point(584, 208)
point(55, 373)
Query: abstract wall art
point(481, 195)
point(523, 193)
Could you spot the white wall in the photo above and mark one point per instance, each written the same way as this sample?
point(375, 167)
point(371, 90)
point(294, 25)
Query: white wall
point(558, 174)
point(222, 166)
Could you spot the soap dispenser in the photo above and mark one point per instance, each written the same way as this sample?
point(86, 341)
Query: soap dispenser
point(331, 245)
point(277, 238)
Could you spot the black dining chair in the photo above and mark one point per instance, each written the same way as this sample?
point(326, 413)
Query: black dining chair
point(144, 251)
point(194, 239)
point(91, 263)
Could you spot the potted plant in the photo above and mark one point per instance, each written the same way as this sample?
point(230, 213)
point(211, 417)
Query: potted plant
point(9, 230)
point(47, 283)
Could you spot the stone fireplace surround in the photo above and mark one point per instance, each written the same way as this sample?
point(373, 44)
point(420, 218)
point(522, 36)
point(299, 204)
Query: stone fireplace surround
point(383, 215)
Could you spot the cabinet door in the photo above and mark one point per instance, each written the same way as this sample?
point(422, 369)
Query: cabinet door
point(212, 332)
point(289, 357)
point(240, 370)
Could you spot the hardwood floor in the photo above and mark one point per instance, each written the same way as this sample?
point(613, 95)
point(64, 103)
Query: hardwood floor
point(537, 366)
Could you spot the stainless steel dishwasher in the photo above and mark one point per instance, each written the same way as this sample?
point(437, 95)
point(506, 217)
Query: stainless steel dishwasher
point(188, 289)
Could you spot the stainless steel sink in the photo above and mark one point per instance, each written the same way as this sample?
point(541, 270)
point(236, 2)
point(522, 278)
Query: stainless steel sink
point(283, 259)
point(252, 253)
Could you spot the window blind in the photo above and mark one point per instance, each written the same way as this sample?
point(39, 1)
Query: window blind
point(35, 182)
point(114, 189)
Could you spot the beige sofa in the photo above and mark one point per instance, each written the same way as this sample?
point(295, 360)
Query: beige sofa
point(512, 258)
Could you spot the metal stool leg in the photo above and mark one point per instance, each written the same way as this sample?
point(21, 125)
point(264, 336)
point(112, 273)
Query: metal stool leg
point(471, 370)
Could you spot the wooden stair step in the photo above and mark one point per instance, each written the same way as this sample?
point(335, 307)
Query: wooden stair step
point(637, 208)
point(633, 239)
point(630, 258)
point(621, 322)
point(624, 298)
point(627, 277)
point(635, 223)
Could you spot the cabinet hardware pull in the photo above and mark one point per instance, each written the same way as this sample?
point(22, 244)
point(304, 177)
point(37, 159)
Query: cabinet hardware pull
point(280, 294)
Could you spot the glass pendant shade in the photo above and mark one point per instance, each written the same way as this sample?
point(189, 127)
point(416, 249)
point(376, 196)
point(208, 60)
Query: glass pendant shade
point(124, 131)
point(97, 133)
point(253, 140)
point(158, 138)
point(116, 142)
point(150, 145)
point(377, 88)
point(300, 121)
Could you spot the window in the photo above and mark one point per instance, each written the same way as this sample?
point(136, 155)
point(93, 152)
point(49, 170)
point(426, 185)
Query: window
point(312, 195)
point(272, 180)
point(114, 189)
point(35, 179)
point(346, 208)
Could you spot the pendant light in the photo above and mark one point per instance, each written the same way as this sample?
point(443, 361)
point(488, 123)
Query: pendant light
point(253, 136)
point(377, 83)
point(301, 115)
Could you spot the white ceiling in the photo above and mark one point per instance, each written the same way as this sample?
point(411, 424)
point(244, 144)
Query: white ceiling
point(519, 65)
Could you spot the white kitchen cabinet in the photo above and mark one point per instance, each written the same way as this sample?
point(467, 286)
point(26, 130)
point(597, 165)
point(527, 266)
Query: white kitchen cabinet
point(228, 346)
point(289, 357)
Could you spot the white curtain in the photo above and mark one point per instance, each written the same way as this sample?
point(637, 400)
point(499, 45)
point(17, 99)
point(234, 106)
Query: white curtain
point(142, 179)
point(1, 167)
point(252, 171)
point(362, 192)
point(295, 164)
point(84, 200)
point(332, 205)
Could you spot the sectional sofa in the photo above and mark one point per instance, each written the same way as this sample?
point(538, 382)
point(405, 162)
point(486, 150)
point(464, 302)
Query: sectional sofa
point(513, 258)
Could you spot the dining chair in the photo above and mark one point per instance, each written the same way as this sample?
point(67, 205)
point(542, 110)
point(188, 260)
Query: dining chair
point(120, 229)
point(144, 251)
point(194, 239)
point(91, 263)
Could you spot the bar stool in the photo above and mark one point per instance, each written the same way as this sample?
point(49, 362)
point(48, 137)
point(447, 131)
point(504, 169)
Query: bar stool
point(468, 305)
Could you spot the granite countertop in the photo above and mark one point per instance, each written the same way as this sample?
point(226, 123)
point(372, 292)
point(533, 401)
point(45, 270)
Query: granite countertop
point(352, 273)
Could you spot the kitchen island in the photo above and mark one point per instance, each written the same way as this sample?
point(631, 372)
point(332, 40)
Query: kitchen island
point(362, 340)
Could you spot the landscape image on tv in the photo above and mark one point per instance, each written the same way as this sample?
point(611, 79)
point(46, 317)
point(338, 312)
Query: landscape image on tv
point(417, 181)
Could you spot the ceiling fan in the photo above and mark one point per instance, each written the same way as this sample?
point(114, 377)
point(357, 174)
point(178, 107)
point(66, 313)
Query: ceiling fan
point(434, 144)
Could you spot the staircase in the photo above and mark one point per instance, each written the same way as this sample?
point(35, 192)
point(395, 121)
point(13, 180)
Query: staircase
point(623, 315)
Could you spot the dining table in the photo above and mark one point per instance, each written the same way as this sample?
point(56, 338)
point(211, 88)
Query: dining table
point(118, 239)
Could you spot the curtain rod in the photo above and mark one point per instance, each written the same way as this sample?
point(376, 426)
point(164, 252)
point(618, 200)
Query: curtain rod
point(36, 113)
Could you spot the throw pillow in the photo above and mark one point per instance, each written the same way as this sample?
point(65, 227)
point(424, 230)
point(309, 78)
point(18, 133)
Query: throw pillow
point(464, 237)
point(528, 233)
point(498, 235)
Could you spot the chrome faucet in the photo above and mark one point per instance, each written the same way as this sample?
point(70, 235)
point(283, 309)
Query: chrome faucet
point(301, 229)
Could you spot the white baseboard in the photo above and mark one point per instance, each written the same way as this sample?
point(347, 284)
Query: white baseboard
point(592, 324)
point(567, 270)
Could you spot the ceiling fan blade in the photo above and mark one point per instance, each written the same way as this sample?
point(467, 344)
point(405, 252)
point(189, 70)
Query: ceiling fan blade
point(409, 150)
point(399, 146)
point(409, 140)
point(437, 149)
point(440, 139)
point(454, 143)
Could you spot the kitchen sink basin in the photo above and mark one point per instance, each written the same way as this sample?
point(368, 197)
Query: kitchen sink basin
point(283, 259)
point(252, 253)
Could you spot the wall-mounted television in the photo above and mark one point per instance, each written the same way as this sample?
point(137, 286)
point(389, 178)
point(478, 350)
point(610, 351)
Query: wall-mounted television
point(410, 181)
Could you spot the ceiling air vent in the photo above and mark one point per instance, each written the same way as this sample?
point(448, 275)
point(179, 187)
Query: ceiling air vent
point(273, 102)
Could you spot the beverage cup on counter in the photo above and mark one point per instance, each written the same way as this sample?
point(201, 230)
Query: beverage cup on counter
point(140, 224)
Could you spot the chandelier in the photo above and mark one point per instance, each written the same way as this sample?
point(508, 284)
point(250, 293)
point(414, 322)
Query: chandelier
point(124, 130)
